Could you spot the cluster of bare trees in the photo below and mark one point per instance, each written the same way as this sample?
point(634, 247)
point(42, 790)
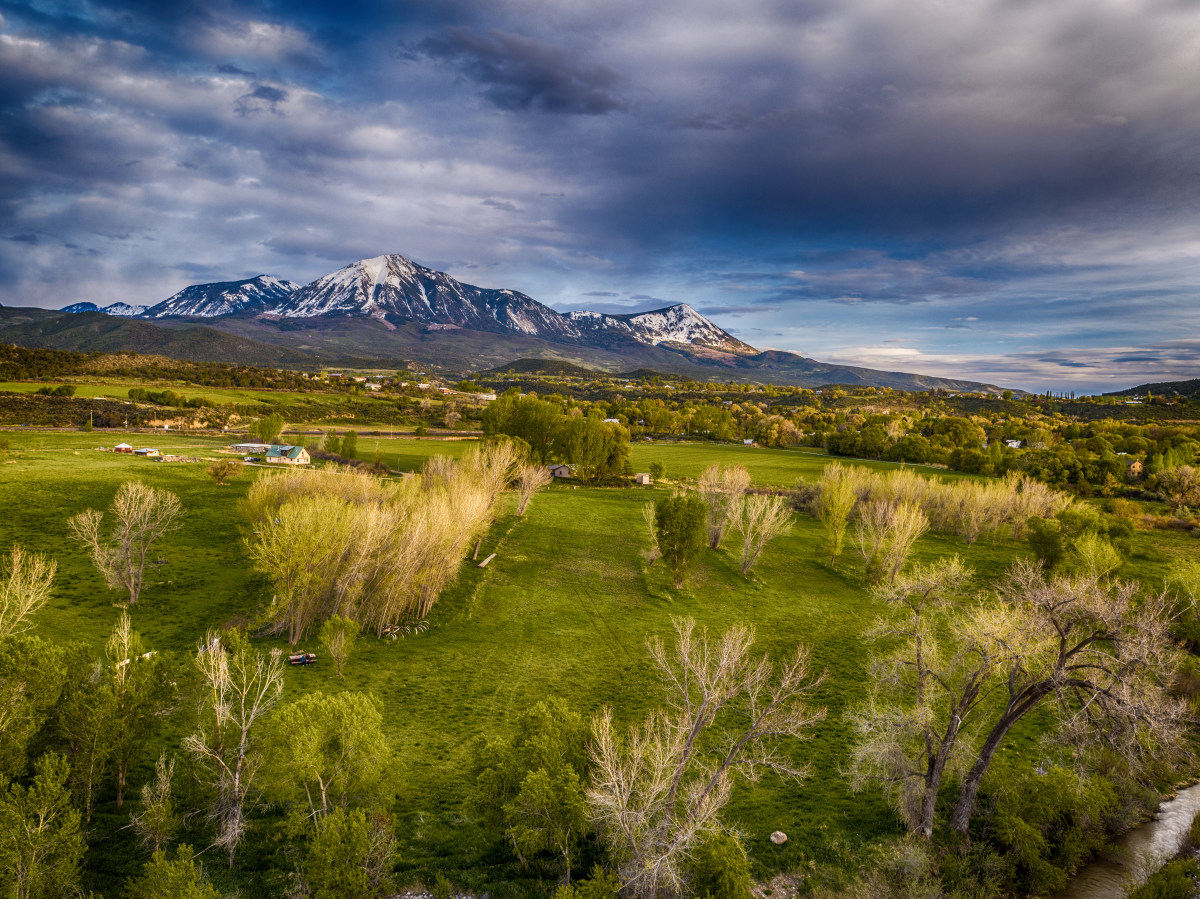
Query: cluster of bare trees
point(758, 518)
point(1092, 652)
point(970, 509)
point(348, 544)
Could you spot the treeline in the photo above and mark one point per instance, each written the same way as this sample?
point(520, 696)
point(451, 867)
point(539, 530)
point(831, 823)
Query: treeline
point(19, 363)
point(552, 431)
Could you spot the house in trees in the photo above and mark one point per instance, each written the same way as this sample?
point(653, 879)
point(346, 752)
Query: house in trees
point(1133, 471)
point(288, 455)
point(562, 471)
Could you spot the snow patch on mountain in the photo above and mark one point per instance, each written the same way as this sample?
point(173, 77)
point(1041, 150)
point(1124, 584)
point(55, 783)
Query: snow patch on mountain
point(125, 310)
point(261, 293)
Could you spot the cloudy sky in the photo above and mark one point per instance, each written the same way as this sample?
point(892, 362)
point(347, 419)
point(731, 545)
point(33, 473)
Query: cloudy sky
point(996, 189)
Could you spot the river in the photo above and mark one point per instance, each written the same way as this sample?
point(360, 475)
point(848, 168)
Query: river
point(1138, 853)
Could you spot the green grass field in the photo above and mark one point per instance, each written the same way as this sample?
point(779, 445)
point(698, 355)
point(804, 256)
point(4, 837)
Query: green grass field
point(564, 609)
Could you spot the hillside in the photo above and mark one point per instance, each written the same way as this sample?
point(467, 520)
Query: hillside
point(1188, 389)
point(97, 332)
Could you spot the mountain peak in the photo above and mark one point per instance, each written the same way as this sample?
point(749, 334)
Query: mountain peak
point(260, 293)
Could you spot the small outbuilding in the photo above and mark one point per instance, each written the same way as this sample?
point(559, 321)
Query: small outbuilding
point(644, 479)
point(147, 453)
point(122, 448)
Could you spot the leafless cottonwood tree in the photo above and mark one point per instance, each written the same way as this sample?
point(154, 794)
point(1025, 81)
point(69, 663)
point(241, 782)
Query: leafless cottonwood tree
point(157, 822)
point(1093, 651)
point(885, 533)
point(657, 791)
point(836, 497)
point(654, 553)
point(240, 685)
point(531, 477)
point(722, 490)
point(141, 516)
point(760, 520)
point(25, 586)
point(908, 731)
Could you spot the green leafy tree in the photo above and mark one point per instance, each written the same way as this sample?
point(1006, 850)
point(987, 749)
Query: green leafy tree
point(657, 471)
point(224, 469)
point(332, 444)
point(326, 752)
point(599, 885)
point(180, 877)
point(679, 526)
point(532, 785)
point(596, 449)
point(32, 674)
point(835, 501)
point(533, 420)
point(266, 429)
point(351, 856)
point(350, 445)
point(41, 845)
point(338, 635)
point(142, 693)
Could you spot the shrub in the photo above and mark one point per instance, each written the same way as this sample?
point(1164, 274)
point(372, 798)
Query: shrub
point(720, 868)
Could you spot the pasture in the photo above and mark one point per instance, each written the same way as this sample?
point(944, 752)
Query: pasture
point(564, 609)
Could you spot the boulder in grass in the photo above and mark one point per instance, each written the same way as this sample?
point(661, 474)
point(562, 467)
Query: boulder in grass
point(779, 838)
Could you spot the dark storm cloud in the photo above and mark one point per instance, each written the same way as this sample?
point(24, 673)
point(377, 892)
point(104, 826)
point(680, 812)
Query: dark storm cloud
point(822, 170)
point(516, 72)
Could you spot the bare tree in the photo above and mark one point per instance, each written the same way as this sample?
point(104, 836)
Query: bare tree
point(24, 588)
point(908, 731)
point(655, 793)
point(240, 686)
point(142, 515)
point(648, 515)
point(1101, 653)
point(885, 533)
point(1091, 651)
point(722, 490)
point(835, 501)
point(157, 822)
point(760, 520)
point(531, 477)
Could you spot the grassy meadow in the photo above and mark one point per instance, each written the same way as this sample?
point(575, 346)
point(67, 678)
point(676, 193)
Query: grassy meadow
point(564, 609)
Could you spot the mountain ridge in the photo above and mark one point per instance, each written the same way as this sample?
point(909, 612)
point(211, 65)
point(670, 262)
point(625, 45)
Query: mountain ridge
point(388, 308)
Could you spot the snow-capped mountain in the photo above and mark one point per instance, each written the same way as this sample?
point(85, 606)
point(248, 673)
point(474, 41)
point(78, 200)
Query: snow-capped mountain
point(674, 324)
point(122, 309)
point(261, 294)
point(392, 287)
point(394, 290)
